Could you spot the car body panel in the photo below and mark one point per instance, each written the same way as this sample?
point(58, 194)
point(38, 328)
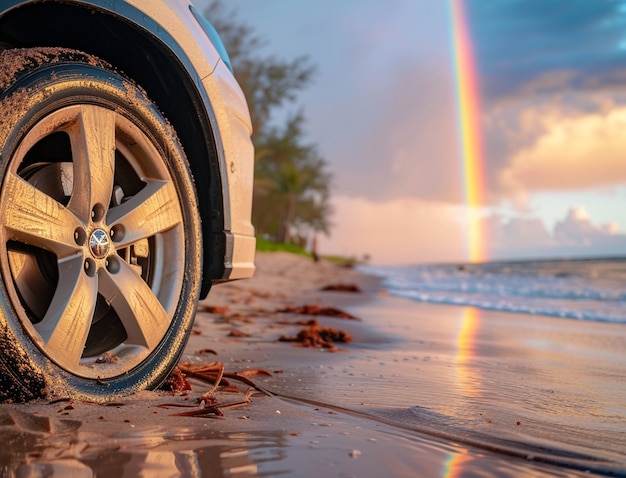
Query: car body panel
point(173, 23)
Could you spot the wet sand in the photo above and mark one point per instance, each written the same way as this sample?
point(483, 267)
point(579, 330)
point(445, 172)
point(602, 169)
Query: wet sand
point(422, 390)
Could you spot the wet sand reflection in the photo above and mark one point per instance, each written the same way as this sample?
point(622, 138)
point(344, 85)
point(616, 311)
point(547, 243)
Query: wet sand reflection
point(44, 446)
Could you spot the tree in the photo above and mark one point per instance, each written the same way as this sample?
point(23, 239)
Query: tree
point(292, 183)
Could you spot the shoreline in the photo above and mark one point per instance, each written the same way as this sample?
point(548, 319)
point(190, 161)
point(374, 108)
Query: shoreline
point(430, 385)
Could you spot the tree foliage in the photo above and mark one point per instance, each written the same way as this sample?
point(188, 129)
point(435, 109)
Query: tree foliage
point(292, 182)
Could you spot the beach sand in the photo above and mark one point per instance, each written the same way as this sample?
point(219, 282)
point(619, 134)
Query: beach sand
point(421, 390)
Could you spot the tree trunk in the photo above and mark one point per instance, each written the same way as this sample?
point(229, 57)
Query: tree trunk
point(285, 227)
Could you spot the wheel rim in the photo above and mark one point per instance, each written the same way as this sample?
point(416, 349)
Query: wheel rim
point(93, 250)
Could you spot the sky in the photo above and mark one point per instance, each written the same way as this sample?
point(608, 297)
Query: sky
point(384, 111)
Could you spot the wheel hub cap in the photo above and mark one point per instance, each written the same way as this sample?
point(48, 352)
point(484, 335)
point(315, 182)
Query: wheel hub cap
point(99, 243)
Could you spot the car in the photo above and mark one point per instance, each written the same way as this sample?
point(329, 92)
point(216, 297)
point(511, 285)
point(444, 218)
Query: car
point(126, 171)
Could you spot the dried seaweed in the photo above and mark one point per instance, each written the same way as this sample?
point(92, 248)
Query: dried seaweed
point(315, 309)
point(341, 288)
point(176, 382)
point(237, 333)
point(214, 309)
point(315, 336)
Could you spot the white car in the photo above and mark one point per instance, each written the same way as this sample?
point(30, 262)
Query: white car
point(126, 172)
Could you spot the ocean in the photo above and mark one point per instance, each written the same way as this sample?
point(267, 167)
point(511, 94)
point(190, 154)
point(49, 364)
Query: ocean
point(585, 289)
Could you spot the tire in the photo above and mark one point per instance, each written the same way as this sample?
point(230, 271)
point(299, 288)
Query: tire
point(100, 242)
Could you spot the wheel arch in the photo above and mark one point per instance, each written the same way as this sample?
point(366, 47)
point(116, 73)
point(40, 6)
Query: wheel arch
point(138, 46)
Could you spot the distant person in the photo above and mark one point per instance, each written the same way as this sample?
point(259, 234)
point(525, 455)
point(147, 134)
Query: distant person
point(314, 253)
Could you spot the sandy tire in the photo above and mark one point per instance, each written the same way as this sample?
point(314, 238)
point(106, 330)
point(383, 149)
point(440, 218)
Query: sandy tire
point(100, 243)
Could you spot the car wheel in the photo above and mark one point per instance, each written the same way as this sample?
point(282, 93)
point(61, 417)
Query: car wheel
point(100, 245)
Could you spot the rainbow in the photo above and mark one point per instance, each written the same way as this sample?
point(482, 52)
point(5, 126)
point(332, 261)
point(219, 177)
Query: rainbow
point(468, 100)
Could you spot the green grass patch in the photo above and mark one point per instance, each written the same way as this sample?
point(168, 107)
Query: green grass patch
point(264, 245)
point(342, 260)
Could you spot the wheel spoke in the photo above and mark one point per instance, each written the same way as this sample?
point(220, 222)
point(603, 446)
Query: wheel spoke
point(65, 326)
point(93, 151)
point(32, 217)
point(143, 316)
point(152, 210)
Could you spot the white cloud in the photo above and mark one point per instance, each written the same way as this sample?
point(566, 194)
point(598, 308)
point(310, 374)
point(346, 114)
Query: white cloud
point(575, 235)
point(577, 229)
point(518, 232)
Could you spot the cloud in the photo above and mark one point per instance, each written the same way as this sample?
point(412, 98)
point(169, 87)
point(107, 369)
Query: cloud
point(382, 110)
point(549, 82)
point(529, 232)
point(519, 41)
point(575, 235)
point(570, 153)
point(552, 78)
point(577, 229)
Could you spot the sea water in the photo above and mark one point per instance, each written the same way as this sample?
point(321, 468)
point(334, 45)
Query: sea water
point(586, 289)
